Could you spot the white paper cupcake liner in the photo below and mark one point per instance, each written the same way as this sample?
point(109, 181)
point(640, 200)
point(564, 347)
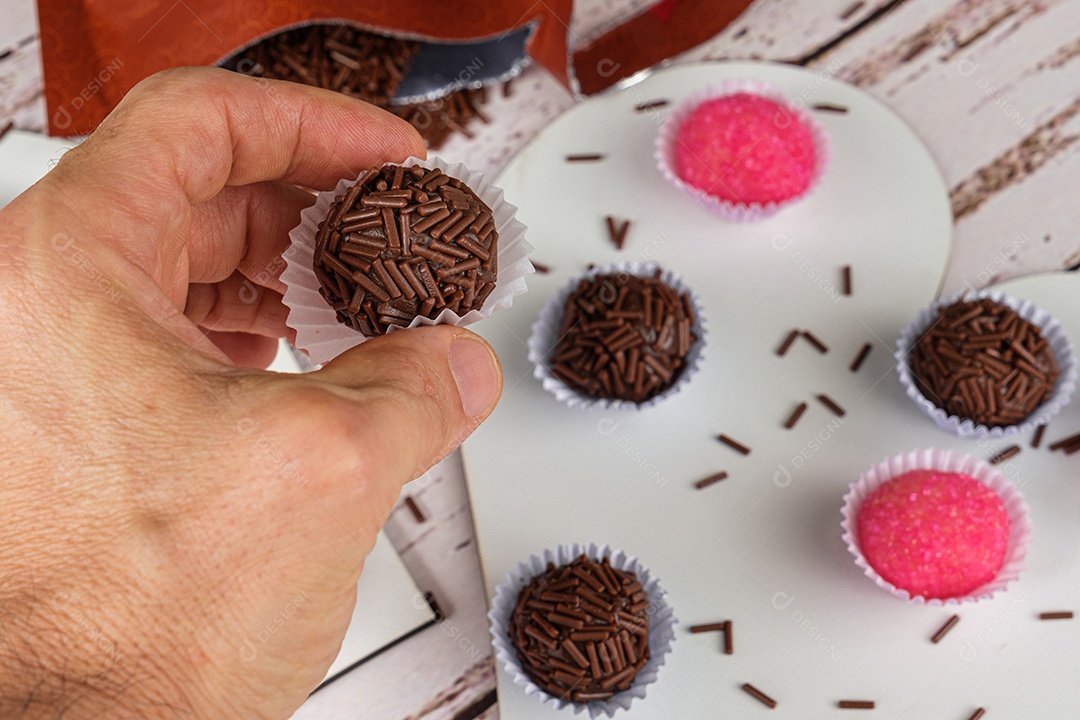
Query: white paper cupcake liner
point(946, 461)
point(318, 332)
point(1051, 330)
point(662, 623)
point(739, 212)
point(545, 335)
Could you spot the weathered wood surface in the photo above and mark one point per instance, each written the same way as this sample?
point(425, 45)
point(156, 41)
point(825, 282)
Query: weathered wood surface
point(992, 87)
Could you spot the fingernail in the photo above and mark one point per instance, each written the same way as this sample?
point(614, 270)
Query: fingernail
point(476, 372)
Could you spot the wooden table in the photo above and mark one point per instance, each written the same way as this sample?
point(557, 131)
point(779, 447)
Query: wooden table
point(992, 87)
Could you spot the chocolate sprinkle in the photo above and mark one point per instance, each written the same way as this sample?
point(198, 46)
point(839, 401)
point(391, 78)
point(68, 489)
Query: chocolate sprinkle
point(758, 695)
point(733, 444)
point(590, 157)
point(980, 360)
point(977, 714)
point(623, 337)
point(1009, 452)
point(1061, 615)
point(706, 482)
point(1065, 442)
point(944, 629)
point(795, 415)
point(858, 361)
point(1036, 440)
point(856, 704)
point(788, 341)
point(540, 268)
point(416, 511)
point(581, 631)
point(393, 248)
point(729, 640)
point(831, 404)
point(709, 627)
point(813, 340)
point(845, 279)
point(652, 105)
point(827, 107)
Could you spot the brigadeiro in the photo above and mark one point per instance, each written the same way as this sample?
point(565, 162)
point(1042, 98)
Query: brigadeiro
point(937, 527)
point(623, 335)
point(582, 626)
point(742, 148)
point(402, 245)
point(987, 364)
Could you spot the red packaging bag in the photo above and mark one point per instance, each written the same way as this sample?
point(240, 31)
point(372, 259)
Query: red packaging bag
point(95, 51)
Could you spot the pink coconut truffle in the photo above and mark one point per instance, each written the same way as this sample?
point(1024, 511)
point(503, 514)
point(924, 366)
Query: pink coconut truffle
point(935, 534)
point(745, 149)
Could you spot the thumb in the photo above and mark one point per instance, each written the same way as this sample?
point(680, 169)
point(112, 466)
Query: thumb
point(417, 394)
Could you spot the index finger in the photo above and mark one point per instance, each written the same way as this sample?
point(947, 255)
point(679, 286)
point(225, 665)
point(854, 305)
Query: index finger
point(224, 128)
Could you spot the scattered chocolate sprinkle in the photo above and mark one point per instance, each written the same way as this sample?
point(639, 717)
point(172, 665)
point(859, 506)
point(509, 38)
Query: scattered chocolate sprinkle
point(593, 642)
point(733, 444)
point(845, 279)
point(1061, 615)
point(729, 641)
point(813, 340)
point(1036, 440)
point(758, 695)
point(616, 231)
point(650, 105)
point(980, 360)
point(856, 704)
point(1065, 442)
point(977, 714)
point(709, 627)
point(378, 269)
point(508, 89)
point(624, 337)
point(858, 361)
point(944, 629)
point(795, 415)
point(594, 157)
point(827, 107)
point(416, 511)
point(784, 346)
point(541, 268)
point(1009, 452)
point(8, 127)
point(831, 404)
point(711, 480)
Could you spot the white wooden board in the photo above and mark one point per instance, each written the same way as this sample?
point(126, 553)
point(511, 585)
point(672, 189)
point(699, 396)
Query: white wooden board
point(763, 547)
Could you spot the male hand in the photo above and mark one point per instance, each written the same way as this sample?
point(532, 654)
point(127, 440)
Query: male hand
point(182, 536)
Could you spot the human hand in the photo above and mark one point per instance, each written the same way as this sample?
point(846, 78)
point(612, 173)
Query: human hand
point(162, 504)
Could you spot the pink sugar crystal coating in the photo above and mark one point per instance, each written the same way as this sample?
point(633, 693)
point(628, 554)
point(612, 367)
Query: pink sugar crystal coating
point(744, 148)
point(935, 534)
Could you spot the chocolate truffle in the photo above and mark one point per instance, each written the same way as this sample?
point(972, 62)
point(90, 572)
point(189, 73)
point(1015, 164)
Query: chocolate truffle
point(404, 242)
point(935, 534)
point(623, 337)
point(980, 360)
point(581, 631)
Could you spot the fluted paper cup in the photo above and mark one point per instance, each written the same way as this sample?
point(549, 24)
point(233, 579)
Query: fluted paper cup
point(1051, 330)
point(945, 461)
point(667, 139)
point(545, 336)
point(318, 332)
point(661, 624)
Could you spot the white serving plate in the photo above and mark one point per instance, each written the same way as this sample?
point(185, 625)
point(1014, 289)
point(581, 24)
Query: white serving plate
point(763, 547)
